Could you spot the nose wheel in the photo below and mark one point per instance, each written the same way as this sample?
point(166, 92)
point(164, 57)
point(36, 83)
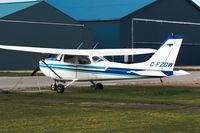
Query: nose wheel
point(53, 87)
point(58, 88)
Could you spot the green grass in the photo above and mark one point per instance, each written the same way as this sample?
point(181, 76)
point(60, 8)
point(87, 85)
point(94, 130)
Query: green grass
point(124, 109)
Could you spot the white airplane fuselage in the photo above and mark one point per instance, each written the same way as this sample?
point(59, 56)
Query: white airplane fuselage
point(103, 70)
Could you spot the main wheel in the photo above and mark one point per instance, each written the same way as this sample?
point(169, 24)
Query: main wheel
point(53, 87)
point(99, 86)
point(60, 88)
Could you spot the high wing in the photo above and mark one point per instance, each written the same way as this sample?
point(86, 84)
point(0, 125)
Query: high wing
point(97, 52)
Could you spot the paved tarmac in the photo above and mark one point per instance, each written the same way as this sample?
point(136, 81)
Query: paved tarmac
point(22, 83)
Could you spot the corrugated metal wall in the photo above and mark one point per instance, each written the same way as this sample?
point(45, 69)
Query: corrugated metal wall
point(41, 35)
point(174, 10)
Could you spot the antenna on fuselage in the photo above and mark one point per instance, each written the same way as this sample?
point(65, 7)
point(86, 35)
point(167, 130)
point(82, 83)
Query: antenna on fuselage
point(96, 45)
point(80, 45)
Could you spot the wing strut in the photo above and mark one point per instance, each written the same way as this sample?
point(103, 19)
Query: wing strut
point(74, 80)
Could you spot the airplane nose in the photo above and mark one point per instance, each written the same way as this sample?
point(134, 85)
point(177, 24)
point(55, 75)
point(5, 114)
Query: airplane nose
point(42, 67)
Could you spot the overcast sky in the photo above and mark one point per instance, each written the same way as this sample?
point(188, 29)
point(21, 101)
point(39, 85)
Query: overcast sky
point(197, 2)
point(10, 1)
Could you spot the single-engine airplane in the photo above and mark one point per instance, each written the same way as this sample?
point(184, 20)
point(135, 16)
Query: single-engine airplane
point(90, 65)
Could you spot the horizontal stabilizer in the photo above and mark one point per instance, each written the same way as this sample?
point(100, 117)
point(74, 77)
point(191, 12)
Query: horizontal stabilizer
point(180, 73)
point(149, 73)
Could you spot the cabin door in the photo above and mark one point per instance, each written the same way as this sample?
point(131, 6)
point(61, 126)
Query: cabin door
point(84, 68)
point(69, 67)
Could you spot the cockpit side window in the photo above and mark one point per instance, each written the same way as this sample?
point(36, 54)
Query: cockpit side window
point(59, 57)
point(69, 59)
point(83, 60)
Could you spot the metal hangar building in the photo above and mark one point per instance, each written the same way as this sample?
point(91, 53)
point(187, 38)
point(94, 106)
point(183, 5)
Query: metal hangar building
point(112, 24)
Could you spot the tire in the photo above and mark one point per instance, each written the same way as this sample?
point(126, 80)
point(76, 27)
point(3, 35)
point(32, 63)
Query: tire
point(60, 88)
point(53, 87)
point(99, 86)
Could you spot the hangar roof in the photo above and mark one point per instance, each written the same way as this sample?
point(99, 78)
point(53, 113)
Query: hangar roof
point(92, 10)
point(196, 2)
point(9, 8)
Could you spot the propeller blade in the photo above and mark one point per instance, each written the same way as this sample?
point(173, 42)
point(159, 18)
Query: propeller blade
point(38, 68)
point(35, 71)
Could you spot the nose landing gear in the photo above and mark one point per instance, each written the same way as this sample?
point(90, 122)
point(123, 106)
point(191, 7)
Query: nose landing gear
point(58, 88)
point(53, 87)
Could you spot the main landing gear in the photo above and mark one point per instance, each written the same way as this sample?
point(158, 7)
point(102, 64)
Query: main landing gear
point(60, 88)
point(97, 86)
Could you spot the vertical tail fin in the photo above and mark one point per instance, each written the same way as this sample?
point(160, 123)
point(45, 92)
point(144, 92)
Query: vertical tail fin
point(164, 59)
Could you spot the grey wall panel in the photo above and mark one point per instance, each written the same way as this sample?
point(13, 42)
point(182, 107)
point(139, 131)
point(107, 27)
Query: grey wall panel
point(41, 35)
point(12, 60)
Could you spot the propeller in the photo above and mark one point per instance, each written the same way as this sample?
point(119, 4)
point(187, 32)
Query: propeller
point(37, 68)
point(35, 71)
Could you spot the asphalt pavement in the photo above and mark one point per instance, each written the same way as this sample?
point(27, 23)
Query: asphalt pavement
point(21, 83)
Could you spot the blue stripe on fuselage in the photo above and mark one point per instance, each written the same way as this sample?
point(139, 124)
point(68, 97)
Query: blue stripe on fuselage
point(78, 69)
point(110, 70)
